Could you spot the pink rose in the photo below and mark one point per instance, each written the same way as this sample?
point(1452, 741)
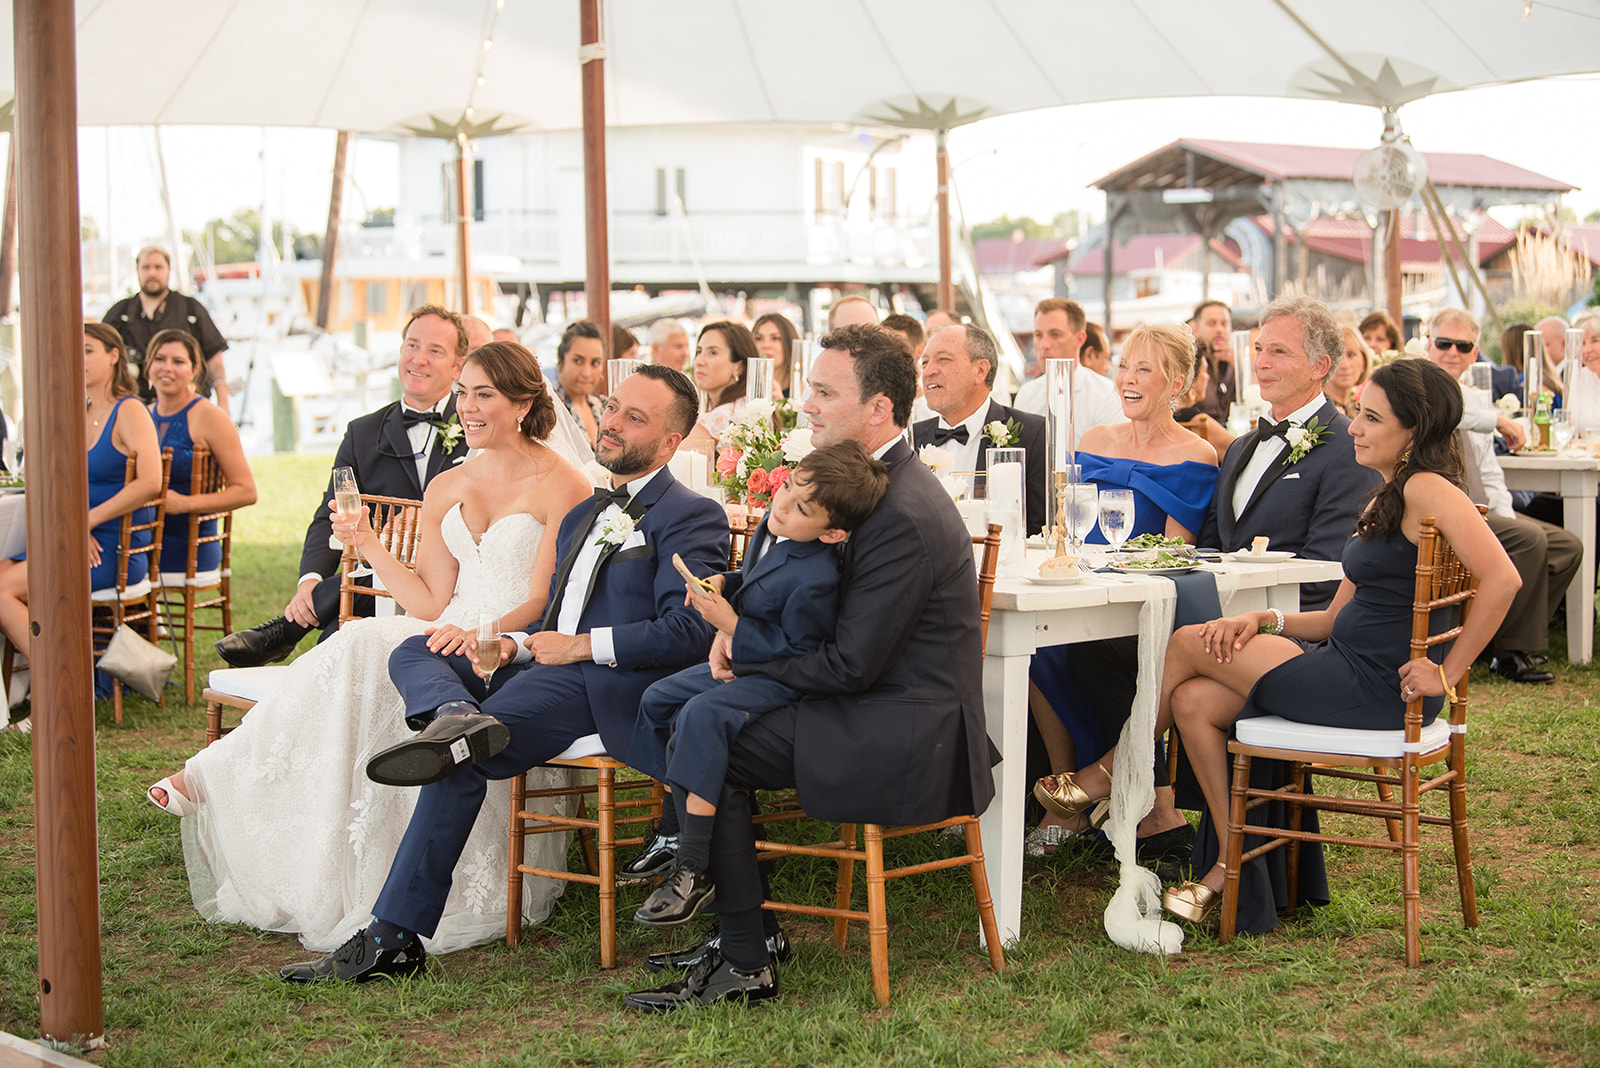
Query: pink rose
point(728, 461)
point(779, 476)
point(758, 483)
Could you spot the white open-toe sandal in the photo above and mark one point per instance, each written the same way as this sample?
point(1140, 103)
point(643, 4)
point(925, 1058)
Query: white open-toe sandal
point(176, 804)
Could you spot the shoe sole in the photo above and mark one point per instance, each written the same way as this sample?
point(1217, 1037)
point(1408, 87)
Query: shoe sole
point(419, 762)
point(677, 921)
point(645, 876)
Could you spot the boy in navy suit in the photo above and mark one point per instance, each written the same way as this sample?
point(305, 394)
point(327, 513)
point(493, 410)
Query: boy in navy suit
point(784, 601)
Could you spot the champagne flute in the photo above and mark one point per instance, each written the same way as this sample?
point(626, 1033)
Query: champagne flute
point(347, 501)
point(1561, 429)
point(489, 644)
point(1116, 516)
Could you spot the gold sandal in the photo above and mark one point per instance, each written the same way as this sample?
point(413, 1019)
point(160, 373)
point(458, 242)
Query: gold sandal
point(1067, 799)
point(1191, 901)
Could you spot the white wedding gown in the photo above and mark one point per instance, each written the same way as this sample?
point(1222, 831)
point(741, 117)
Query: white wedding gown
point(291, 835)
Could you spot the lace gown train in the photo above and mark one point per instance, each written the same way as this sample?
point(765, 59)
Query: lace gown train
point(292, 836)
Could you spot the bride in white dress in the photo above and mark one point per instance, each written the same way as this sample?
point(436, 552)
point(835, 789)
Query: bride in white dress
point(282, 830)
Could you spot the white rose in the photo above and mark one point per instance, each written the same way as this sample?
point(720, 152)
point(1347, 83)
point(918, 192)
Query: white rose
point(954, 485)
point(1507, 403)
point(1296, 436)
point(758, 412)
point(797, 444)
point(936, 458)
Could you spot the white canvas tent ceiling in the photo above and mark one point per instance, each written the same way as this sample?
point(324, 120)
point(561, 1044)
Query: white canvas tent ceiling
point(390, 65)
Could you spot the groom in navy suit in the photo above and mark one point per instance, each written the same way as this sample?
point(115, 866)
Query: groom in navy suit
point(615, 623)
point(1294, 478)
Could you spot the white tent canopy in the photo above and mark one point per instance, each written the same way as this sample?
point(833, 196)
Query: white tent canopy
point(393, 65)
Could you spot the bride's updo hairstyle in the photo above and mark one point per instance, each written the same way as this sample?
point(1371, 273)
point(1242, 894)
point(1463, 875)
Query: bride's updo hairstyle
point(1171, 346)
point(1426, 401)
point(514, 371)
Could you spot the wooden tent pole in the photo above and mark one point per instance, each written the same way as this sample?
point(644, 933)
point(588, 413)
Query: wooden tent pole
point(597, 277)
point(330, 236)
point(941, 154)
point(463, 231)
point(62, 668)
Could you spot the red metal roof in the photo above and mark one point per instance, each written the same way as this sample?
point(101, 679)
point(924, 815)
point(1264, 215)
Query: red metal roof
point(1351, 239)
point(1315, 161)
point(1001, 255)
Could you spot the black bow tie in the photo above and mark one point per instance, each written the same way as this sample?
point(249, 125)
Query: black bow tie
point(604, 497)
point(954, 433)
point(1280, 429)
point(411, 417)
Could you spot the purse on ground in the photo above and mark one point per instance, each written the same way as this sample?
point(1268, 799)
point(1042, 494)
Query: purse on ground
point(134, 662)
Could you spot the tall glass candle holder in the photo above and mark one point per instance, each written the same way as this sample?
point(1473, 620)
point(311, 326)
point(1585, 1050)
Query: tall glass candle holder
point(799, 365)
point(1061, 442)
point(1003, 503)
point(1532, 368)
point(758, 379)
point(1244, 369)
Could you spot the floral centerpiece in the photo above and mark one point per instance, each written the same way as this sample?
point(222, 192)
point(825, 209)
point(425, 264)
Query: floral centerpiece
point(759, 449)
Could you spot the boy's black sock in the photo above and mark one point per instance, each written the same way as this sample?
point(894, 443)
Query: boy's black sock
point(694, 842)
point(667, 826)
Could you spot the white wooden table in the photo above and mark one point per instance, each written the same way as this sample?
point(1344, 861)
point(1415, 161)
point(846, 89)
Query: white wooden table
point(1027, 617)
point(1575, 477)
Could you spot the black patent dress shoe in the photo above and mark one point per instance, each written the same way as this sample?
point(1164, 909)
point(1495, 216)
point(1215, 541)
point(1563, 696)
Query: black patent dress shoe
point(656, 857)
point(708, 982)
point(360, 960)
point(679, 959)
point(267, 643)
point(681, 894)
point(1518, 667)
point(444, 745)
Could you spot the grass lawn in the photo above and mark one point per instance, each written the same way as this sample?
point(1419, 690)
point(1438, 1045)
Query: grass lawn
point(1329, 987)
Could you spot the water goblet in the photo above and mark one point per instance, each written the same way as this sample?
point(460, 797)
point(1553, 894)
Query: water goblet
point(1116, 516)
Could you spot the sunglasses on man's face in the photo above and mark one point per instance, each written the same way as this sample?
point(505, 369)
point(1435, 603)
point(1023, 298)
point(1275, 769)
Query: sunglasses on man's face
point(1443, 345)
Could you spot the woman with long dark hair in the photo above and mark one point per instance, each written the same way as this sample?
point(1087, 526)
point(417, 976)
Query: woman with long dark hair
point(775, 336)
point(1347, 665)
point(721, 358)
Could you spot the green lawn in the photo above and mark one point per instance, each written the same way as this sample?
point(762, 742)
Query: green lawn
point(1327, 988)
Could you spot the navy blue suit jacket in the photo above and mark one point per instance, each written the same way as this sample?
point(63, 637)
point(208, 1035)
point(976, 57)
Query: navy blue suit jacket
point(1308, 508)
point(1031, 439)
point(892, 728)
point(639, 595)
point(788, 602)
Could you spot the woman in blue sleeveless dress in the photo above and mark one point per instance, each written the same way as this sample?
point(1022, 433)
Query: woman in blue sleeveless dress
point(116, 430)
point(1173, 474)
point(186, 421)
point(1346, 665)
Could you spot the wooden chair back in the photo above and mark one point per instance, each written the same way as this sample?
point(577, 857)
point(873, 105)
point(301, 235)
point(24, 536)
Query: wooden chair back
point(988, 567)
point(740, 530)
point(1443, 583)
point(136, 604)
point(181, 590)
point(397, 521)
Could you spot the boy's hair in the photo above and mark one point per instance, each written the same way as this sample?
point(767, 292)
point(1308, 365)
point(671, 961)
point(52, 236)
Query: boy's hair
point(845, 480)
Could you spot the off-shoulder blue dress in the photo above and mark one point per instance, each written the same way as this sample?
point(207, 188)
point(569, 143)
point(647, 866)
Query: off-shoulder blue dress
point(1182, 491)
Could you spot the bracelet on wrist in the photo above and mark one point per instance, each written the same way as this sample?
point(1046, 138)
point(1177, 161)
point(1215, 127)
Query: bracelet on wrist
point(1449, 690)
point(1275, 626)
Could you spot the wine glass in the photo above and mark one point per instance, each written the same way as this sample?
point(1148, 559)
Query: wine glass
point(1116, 516)
point(1561, 429)
point(489, 644)
point(347, 501)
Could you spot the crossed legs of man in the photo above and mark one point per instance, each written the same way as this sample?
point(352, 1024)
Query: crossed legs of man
point(1546, 557)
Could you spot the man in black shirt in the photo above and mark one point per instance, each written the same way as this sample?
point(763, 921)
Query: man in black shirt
point(156, 308)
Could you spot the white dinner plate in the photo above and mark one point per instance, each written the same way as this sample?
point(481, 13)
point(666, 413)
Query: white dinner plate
point(1245, 556)
point(1056, 580)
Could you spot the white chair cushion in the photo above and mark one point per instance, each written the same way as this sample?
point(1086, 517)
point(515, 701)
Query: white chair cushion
point(249, 684)
point(587, 746)
point(137, 591)
point(1274, 732)
point(202, 579)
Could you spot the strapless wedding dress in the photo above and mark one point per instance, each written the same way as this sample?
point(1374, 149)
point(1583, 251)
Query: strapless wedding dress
point(291, 835)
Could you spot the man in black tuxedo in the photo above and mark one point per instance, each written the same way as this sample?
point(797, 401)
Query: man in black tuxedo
point(616, 622)
point(395, 452)
point(958, 369)
point(1294, 478)
point(891, 729)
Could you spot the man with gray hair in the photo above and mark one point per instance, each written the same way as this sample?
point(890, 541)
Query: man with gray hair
point(669, 344)
point(1546, 556)
point(958, 370)
point(1294, 478)
point(1553, 328)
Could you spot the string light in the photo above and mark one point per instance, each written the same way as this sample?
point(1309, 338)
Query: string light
point(478, 78)
point(1527, 9)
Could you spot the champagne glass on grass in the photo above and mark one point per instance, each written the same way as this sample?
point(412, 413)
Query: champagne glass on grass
point(1116, 516)
point(489, 644)
point(347, 501)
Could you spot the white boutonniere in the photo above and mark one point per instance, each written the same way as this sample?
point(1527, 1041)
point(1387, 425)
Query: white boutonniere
point(1302, 439)
point(615, 530)
point(449, 431)
point(1507, 404)
point(1001, 435)
point(936, 458)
